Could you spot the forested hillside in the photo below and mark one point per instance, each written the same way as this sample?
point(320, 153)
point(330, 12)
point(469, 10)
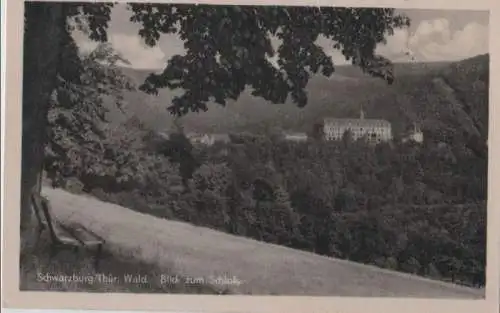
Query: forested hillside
point(340, 95)
point(408, 207)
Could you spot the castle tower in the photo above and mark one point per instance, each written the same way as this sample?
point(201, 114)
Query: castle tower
point(417, 135)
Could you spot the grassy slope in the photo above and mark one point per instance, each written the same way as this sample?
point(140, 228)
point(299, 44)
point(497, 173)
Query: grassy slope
point(38, 272)
point(38, 269)
point(181, 248)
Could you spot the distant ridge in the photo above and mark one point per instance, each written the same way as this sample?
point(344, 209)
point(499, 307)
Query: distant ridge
point(337, 96)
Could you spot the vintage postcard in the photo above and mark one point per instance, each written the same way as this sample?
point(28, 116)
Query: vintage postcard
point(251, 156)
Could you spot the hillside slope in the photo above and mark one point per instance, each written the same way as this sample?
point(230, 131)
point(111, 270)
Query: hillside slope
point(263, 268)
point(341, 95)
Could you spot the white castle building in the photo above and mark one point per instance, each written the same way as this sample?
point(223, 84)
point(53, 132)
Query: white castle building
point(207, 139)
point(296, 136)
point(374, 130)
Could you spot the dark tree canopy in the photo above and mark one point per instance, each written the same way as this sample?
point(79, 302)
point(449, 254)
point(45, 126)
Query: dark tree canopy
point(228, 47)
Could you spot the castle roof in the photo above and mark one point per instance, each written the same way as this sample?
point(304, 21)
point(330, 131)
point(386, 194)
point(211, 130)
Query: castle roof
point(352, 122)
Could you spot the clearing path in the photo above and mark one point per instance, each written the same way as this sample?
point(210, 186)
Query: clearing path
point(263, 268)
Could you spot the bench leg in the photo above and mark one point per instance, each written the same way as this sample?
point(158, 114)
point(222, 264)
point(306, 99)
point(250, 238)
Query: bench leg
point(76, 251)
point(38, 235)
point(97, 257)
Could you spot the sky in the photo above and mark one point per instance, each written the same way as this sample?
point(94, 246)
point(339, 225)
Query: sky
point(434, 35)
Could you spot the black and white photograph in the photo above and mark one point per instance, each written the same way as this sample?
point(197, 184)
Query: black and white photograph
point(264, 150)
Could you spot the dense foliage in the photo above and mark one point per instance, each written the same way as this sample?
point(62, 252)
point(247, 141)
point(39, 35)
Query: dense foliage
point(403, 207)
point(78, 137)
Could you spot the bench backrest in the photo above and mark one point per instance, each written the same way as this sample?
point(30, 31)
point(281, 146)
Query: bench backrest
point(42, 212)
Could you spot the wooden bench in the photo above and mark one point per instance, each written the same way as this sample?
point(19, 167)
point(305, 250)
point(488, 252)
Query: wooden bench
point(71, 237)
